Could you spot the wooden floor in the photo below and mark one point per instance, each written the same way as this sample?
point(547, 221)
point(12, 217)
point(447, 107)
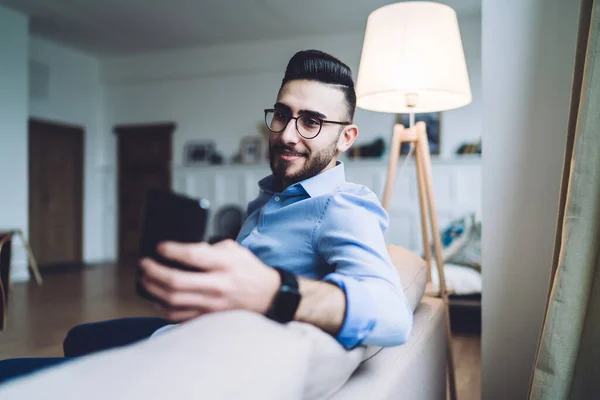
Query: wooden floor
point(39, 317)
point(467, 353)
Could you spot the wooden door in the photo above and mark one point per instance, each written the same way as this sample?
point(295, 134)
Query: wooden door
point(144, 157)
point(55, 192)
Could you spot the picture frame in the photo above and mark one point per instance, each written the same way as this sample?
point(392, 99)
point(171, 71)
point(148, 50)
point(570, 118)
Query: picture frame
point(432, 122)
point(251, 149)
point(198, 152)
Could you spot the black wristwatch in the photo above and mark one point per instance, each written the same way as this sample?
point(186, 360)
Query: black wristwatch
point(287, 299)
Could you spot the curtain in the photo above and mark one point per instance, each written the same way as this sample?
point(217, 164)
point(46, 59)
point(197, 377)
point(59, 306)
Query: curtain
point(568, 359)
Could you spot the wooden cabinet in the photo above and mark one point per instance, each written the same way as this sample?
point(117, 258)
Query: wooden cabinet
point(144, 162)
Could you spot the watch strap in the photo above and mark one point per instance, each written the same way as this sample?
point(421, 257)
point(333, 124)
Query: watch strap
point(287, 300)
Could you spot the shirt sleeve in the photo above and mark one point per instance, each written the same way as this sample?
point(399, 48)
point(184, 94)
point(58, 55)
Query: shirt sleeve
point(350, 238)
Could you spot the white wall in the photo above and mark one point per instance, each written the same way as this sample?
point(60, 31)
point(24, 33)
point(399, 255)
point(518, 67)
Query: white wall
point(14, 206)
point(220, 92)
point(465, 124)
point(528, 60)
point(66, 88)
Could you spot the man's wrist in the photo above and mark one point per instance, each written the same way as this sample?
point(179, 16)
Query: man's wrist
point(323, 305)
point(272, 288)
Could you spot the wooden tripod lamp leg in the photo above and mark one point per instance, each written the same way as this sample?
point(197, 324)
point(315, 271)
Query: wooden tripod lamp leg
point(418, 135)
point(425, 159)
point(423, 210)
point(392, 164)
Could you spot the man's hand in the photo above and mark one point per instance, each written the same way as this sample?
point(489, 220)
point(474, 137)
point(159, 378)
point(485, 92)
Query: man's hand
point(229, 277)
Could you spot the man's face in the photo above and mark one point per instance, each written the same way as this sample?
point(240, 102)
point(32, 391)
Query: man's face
point(292, 157)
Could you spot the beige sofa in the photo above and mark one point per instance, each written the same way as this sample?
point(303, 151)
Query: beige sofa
point(201, 359)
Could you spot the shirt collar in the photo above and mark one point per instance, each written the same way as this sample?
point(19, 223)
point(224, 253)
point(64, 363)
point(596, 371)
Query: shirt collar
point(325, 182)
point(317, 185)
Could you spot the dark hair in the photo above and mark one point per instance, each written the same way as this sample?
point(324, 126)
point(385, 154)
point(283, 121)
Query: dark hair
point(318, 66)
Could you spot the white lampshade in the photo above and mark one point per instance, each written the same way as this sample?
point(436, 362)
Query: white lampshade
point(410, 49)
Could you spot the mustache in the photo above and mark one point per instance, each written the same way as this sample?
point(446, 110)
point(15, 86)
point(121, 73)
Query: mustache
point(281, 147)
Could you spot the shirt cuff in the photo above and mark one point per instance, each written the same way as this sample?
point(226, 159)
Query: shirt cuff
point(358, 321)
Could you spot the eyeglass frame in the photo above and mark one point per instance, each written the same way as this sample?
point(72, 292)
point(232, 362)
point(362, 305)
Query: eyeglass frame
point(290, 117)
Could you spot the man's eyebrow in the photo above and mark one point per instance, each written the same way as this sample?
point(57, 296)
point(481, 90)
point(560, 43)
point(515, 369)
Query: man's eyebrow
point(283, 106)
point(311, 113)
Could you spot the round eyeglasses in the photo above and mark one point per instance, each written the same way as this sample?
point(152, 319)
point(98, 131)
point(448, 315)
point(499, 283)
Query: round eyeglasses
point(308, 126)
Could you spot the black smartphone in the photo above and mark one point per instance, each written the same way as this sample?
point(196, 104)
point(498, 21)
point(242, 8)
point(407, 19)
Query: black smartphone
point(167, 216)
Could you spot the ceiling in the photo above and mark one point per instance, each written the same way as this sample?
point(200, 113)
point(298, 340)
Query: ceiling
point(126, 26)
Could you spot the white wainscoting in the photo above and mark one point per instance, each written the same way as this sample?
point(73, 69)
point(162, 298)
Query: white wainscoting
point(457, 186)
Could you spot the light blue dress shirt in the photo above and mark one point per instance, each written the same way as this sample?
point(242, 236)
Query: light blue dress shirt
point(325, 228)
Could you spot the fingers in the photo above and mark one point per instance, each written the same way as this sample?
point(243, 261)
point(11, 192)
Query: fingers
point(175, 279)
point(186, 294)
point(225, 244)
point(182, 289)
point(197, 255)
point(170, 299)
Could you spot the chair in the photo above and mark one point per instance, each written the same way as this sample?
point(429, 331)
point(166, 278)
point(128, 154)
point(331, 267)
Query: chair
point(5, 253)
point(6, 238)
point(228, 222)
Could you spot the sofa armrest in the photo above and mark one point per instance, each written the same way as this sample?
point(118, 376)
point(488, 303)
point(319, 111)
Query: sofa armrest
point(415, 370)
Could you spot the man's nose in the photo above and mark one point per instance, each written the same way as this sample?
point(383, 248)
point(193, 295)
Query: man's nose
point(290, 133)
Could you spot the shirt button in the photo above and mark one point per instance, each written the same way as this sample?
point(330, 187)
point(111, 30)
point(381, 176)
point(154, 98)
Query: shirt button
point(276, 198)
point(255, 231)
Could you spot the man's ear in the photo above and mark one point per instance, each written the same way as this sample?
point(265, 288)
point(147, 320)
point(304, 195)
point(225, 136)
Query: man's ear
point(347, 138)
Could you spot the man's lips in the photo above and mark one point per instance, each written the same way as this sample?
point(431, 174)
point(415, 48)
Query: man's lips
point(289, 155)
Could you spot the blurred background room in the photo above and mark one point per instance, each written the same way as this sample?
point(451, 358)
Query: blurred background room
point(102, 100)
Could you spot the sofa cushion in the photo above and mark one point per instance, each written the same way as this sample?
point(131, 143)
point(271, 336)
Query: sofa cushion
point(413, 273)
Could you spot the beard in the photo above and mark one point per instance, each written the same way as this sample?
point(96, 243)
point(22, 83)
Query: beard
point(313, 163)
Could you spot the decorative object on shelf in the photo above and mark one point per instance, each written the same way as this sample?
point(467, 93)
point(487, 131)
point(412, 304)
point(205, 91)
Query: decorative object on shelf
point(432, 120)
point(236, 158)
point(374, 149)
point(470, 148)
point(216, 158)
point(251, 149)
point(412, 61)
point(199, 152)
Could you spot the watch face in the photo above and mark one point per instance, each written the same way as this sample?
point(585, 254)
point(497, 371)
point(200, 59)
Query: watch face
point(289, 299)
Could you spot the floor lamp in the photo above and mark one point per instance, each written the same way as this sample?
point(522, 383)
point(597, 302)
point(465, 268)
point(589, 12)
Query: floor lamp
point(412, 61)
